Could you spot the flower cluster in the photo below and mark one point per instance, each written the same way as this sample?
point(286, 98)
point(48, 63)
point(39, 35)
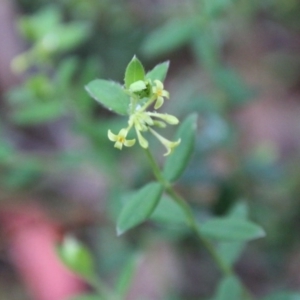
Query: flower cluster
point(143, 94)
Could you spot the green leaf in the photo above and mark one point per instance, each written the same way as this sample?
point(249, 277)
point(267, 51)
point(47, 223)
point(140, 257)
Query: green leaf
point(76, 257)
point(109, 94)
point(232, 83)
point(38, 113)
point(231, 229)
point(126, 277)
point(134, 72)
point(178, 160)
point(139, 207)
point(65, 72)
point(34, 27)
point(231, 251)
point(159, 71)
point(239, 210)
point(168, 211)
point(215, 8)
point(229, 288)
point(283, 296)
point(206, 50)
point(169, 37)
point(66, 37)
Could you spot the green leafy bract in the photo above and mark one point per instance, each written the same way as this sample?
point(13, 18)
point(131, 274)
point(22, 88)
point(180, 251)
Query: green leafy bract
point(134, 72)
point(159, 71)
point(176, 163)
point(139, 207)
point(109, 94)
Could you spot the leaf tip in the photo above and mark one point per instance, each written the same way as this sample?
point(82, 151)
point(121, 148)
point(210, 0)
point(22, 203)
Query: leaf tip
point(134, 58)
point(261, 233)
point(88, 90)
point(119, 231)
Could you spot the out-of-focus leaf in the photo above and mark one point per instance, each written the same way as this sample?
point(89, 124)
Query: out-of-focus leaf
point(170, 36)
point(126, 277)
point(6, 151)
point(239, 210)
point(24, 174)
point(229, 288)
point(178, 160)
point(76, 257)
point(63, 38)
point(38, 113)
point(217, 7)
point(70, 35)
point(139, 207)
point(231, 229)
point(109, 94)
point(65, 71)
point(40, 86)
point(168, 211)
point(206, 50)
point(231, 251)
point(36, 26)
point(283, 296)
point(134, 72)
point(238, 92)
point(159, 71)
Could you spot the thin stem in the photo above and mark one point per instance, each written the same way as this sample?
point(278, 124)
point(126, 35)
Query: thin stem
point(189, 215)
point(225, 268)
point(156, 170)
point(101, 289)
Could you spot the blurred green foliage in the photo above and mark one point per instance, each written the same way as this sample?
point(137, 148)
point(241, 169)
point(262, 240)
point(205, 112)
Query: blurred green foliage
point(72, 42)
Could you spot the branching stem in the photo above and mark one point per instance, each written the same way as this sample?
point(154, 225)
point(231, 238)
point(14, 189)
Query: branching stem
point(224, 267)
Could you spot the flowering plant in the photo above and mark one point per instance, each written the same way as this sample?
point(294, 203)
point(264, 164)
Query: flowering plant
point(141, 91)
point(139, 99)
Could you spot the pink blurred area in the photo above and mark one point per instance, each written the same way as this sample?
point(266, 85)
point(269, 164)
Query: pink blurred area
point(32, 239)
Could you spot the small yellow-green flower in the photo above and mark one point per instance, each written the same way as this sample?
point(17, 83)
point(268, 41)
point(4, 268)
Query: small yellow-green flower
point(172, 120)
point(159, 93)
point(120, 139)
point(142, 141)
point(169, 145)
point(142, 120)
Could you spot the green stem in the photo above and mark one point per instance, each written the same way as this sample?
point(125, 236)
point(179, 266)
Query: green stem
point(225, 268)
point(101, 289)
point(189, 214)
point(156, 170)
point(148, 103)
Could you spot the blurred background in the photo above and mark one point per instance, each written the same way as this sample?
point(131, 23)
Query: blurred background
point(234, 62)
